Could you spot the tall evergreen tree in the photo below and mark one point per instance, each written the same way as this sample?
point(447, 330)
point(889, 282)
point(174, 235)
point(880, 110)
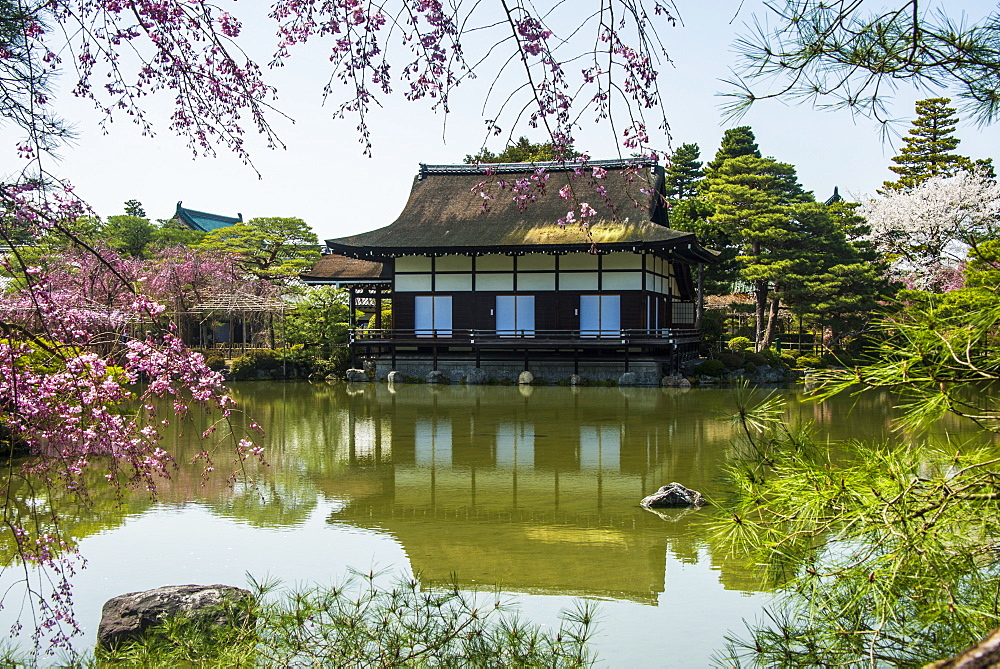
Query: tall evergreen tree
point(736, 142)
point(929, 147)
point(753, 200)
point(843, 279)
point(684, 172)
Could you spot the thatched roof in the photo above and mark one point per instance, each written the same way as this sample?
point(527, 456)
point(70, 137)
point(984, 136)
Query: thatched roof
point(335, 268)
point(472, 208)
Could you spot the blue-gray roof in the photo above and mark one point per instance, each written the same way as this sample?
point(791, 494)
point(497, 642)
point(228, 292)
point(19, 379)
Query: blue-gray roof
point(203, 221)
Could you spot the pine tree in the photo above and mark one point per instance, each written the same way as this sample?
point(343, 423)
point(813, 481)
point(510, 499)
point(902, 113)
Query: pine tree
point(736, 142)
point(754, 201)
point(684, 172)
point(930, 146)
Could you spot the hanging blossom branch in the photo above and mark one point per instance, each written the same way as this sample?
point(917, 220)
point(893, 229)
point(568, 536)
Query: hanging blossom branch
point(86, 358)
point(515, 42)
point(135, 49)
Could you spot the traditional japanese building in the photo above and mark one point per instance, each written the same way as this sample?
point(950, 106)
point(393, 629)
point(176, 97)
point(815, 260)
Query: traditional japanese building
point(485, 269)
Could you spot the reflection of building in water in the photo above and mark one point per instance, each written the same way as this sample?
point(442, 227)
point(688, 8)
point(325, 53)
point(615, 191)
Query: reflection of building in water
point(538, 494)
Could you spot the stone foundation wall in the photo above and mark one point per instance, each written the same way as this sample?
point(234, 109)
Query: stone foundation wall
point(648, 372)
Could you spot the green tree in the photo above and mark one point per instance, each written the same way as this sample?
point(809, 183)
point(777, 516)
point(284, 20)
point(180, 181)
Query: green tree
point(753, 199)
point(841, 283)
point(320, 320)
point(134, 208)
point(271, 248)
point(683, 173)
point(524, 151)
point(687, 212)
point(929, 147)
point(736, 142)
point(128, 234)
point(172, 232)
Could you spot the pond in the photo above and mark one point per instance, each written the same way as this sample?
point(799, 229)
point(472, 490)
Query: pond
point(532, 488)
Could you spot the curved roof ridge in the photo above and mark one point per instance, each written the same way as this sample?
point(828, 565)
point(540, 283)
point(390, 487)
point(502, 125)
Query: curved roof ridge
point(548, 166)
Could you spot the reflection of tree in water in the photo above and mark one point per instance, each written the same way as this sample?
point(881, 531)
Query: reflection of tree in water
point(39, 503)
point(539, 492)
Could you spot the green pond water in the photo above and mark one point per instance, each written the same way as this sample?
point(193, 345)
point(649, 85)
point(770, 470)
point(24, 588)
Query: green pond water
point(535, 489)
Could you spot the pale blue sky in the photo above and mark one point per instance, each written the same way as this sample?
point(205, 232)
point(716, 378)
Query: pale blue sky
point(323, 177)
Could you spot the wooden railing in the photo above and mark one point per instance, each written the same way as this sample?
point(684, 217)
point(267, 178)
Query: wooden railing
point(457, 336)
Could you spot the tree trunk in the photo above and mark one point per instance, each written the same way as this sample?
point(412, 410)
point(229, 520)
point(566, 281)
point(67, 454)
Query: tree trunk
point(699, 309)
point(772, 323)
point(760, 293)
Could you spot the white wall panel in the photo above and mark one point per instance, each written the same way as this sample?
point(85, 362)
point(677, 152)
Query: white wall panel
point(536, 261)
point(536, 281)
point(413, 264)
point(453, 264)
point(494, 263)
point(578, 280)
point(413, 282)
point(453, 282)
point(494, 281)
point(578, 261)
point(622, 261)
point(622, 281)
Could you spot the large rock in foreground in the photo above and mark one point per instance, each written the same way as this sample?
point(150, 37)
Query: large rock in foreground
point(128, 616)
point(671, 496)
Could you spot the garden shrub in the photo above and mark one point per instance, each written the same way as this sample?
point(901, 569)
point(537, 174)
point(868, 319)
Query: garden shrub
point(215, 362)
point(749, 368)
point(710, 368)
point(808, 361)
point(730, 360)
point(772, 357)
point(790, 357)
point(248, 365)
point(312, 363)
point(755, 359)
point(739, 344)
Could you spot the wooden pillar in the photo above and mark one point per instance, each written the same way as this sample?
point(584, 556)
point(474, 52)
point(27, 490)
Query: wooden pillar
point(351, 303)
point(378, 308)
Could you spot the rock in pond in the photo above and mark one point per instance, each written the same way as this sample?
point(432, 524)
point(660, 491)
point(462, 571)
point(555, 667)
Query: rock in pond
point(394, 376)
point(675, 381)
point(357, 376)
point(437, 376)
point(628, 379)
point(525, 378)
point(672, 495)
point(128, 616)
